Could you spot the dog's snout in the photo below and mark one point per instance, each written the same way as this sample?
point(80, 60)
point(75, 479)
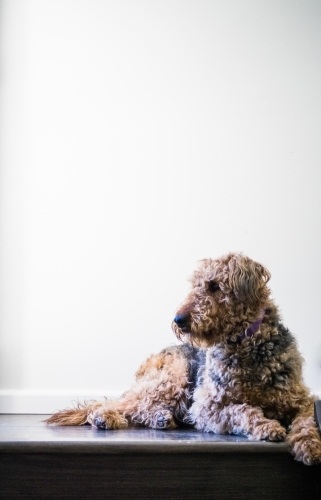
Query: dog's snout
point(181, 320)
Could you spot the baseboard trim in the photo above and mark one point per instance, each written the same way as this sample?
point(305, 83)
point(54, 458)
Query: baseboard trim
point(43, 402)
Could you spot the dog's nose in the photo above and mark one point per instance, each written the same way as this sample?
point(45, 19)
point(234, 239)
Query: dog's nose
point(180, 320)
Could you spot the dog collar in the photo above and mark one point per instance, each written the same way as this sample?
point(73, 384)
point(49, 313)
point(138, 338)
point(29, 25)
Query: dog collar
point(252, 329)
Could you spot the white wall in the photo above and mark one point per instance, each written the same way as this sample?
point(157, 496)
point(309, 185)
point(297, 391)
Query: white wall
point(138, 137)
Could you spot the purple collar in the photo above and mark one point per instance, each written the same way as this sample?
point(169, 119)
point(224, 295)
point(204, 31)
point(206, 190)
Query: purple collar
point(252, 329)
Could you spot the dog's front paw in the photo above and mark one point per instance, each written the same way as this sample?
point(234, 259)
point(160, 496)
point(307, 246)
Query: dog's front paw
point(307, 451)
point(270, 430)
point(304, 440)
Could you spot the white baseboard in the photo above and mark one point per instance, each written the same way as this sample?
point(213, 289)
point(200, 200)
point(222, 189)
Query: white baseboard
point(44, 402)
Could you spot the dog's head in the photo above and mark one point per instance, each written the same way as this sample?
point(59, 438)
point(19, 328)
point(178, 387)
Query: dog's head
point(227, 294)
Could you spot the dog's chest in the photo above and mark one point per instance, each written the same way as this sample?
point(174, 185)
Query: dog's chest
point(238, 375)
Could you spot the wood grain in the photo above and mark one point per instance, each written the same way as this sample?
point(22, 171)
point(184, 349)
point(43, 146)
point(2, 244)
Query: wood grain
point(226, 468)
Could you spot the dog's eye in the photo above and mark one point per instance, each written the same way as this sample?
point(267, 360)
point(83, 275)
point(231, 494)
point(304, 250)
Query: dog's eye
point(213, 286)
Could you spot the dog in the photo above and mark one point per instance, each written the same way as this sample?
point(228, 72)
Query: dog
point(237, 371)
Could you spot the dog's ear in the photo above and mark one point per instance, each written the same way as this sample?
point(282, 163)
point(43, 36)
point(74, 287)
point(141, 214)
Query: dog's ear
point(248, 280)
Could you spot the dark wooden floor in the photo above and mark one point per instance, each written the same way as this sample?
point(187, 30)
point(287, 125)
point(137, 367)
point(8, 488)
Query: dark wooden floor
point(41, 462)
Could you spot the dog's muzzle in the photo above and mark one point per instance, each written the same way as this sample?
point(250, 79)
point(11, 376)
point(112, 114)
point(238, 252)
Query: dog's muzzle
point(182, 321)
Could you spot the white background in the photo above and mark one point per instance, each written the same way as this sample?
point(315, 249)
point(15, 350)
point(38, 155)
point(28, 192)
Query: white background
point(138, 137)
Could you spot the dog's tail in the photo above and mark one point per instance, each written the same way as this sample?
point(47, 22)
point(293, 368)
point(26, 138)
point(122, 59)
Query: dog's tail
point(70, 416)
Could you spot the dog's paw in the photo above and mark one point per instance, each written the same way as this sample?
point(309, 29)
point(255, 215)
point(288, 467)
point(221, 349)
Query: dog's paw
point(270, 430)
point(307, 450)
point(304, 440)
point(107, 420)
point(99, 423)
point(163, 419)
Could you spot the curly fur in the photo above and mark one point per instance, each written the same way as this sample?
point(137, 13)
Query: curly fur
point(220, 380)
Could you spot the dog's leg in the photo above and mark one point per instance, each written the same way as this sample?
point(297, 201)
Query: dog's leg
point(133, 407)
point(304, 438)
point(159, 393)
point(83, 414)
point(129, 409)
point(236, 419)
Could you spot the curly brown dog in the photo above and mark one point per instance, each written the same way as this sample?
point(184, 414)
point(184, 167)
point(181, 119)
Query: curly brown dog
point(238, 372)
